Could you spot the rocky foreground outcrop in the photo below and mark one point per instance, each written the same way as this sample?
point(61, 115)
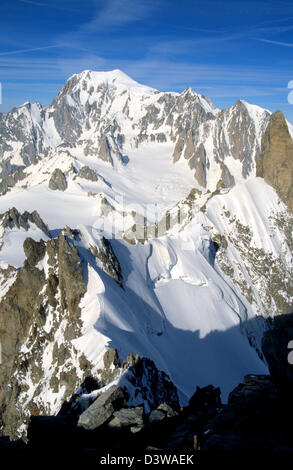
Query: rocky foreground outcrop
point(255, 419)
point(276, 348)
point(139, 413)
point(275, 162)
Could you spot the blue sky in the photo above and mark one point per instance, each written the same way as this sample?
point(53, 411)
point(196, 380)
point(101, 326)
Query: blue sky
point(223, 49)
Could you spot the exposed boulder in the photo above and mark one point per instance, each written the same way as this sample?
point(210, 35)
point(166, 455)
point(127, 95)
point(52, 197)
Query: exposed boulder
point(127, 417)
point(275, 162)
point(101, 410)
point(226, 177)
point(58, 181)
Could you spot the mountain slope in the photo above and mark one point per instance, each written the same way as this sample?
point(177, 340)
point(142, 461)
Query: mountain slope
point(152, 235)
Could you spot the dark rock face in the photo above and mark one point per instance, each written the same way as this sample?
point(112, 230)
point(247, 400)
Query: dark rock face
point(35, 218)
point(105, 150)
point(10, 180)
point(71, 280)
point(159, 388)
point(111, 358)
point(87, 173)
point(111, 366)
point(198, 162)
point(257, 392)
point(34, 251)
point(226, 177)
point(275, 162)
point(14, 219)
point(24, 311)
point(58, 181)
point(233, 133)
point(275, 344)
point(108, 259)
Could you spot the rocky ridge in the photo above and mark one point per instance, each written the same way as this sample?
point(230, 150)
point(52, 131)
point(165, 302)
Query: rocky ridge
point(40, 317)
point(82, 119)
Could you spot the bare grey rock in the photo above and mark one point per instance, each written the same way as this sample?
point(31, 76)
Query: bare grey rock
point(105, 151)
point(198, 162)
point(156, 415)
point(108, 259)
point(136, 429)
point(168, 410)
point(102, 408)
point(13, 218)
point(111, 366)
point(36, 219)
point(34, 251)
point(127, 417)
point(58, 181)
point(111, 358)
point(226, 177)
point(87, 173)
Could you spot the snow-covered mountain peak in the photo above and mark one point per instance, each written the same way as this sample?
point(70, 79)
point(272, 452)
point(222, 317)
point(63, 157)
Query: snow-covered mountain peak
point(111, 118)
point(206, 103)
point(95, 82)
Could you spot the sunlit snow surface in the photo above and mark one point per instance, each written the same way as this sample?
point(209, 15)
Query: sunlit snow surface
point(175, 307)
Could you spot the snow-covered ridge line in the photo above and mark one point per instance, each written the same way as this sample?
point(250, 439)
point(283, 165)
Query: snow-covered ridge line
point(109, 116)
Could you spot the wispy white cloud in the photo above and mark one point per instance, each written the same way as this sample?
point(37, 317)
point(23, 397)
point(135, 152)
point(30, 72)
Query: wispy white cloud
point(273, 29)
point(155, 72)
point(278, 43)
point(33, 49)
point(121, 12)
